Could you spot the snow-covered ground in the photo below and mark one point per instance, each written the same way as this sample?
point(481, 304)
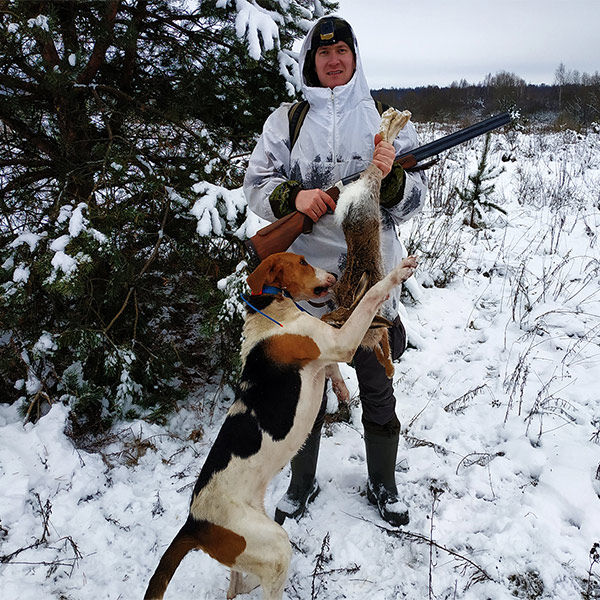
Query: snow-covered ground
point(499, 460)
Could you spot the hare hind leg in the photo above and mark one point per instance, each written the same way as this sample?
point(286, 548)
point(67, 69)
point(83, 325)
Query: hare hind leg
point(384, 354)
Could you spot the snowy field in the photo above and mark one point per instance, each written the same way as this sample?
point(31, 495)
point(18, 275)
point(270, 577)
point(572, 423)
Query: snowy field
point(499, 400)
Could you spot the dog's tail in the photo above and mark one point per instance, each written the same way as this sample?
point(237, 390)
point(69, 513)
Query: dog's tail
point(183, 542)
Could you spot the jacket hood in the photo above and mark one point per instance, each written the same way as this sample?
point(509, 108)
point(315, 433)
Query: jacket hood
point(357, 86)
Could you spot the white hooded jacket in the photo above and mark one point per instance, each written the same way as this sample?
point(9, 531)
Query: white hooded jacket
point(336, 140)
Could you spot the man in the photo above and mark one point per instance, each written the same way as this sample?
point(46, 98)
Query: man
point(337, 139)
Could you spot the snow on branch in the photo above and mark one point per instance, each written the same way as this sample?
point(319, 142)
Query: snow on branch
point(254, 23)
point(77, 224)
point(214, 201)
point(253, 20)
point(288, 67)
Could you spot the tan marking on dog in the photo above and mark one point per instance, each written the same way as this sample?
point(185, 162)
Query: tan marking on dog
point(292, 273)
point(291, 348)
point(237, 408)
point(222, 544)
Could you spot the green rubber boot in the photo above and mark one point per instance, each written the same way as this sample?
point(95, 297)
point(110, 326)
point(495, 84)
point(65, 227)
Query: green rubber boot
point(303, 488)
point(381, 444)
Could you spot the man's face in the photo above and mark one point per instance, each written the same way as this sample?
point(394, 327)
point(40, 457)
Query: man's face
point(334, 64)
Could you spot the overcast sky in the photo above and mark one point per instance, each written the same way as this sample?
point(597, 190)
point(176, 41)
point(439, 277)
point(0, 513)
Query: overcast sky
point(436, 42)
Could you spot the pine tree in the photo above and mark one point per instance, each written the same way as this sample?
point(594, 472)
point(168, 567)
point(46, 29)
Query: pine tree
point(475, 197)
point(119, 117)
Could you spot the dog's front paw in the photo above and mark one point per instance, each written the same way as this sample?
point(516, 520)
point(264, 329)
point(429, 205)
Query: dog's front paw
point(410, 261)
point(404, 270)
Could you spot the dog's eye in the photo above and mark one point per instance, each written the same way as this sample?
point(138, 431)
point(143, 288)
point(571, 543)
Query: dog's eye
point(303, 262)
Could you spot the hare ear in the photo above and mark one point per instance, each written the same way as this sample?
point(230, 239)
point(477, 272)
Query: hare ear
point(266, 273)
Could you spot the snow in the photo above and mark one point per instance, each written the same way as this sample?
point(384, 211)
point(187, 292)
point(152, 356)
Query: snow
point(259, 27)
point(65, 213)
point(45, 344)
point(499, 455)
point(206, 208)
point(77, 222)
point(40, 21)
point(31, 239)
point(62, 261)
point(252, 21)
point(60, 243)
point(21, 274)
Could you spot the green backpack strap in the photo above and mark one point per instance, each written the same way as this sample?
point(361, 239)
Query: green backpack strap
point(296, 116)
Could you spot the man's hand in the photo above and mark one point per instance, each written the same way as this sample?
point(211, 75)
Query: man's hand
point(314, 203)
point(383, 155)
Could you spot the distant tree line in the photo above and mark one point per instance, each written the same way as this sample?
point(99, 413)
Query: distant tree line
point(572, 101)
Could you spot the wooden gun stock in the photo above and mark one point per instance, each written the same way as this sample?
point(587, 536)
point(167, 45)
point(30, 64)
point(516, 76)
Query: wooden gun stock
point(277, 237)
point(280, 235)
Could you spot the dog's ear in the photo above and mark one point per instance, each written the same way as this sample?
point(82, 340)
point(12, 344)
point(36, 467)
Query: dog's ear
point(266, 273)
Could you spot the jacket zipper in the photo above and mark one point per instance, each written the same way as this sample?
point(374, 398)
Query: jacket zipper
point(333, 133)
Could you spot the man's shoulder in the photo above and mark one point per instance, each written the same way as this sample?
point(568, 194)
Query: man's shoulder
point(278, 119)
point(284, 108)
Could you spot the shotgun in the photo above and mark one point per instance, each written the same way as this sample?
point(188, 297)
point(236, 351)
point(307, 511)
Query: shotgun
point(279, 235)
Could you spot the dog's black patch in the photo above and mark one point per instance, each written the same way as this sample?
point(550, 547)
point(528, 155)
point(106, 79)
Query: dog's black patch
point(260, 302)
point(272, 393)
point(240, 436)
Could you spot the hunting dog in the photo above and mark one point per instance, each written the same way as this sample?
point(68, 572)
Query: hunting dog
point(286, 354)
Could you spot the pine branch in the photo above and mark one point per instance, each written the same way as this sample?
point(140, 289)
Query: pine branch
point(68, 28)
point(18, 83)
point(131, 50)
point(26, 178)
point(322, 558)
point(23, 162)
point(43, 143)
point(102, 44)
point(141, 273)
point(145, 107)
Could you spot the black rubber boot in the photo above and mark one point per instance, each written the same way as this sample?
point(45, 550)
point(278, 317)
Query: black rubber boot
point(303, 487)
point(381, 444)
